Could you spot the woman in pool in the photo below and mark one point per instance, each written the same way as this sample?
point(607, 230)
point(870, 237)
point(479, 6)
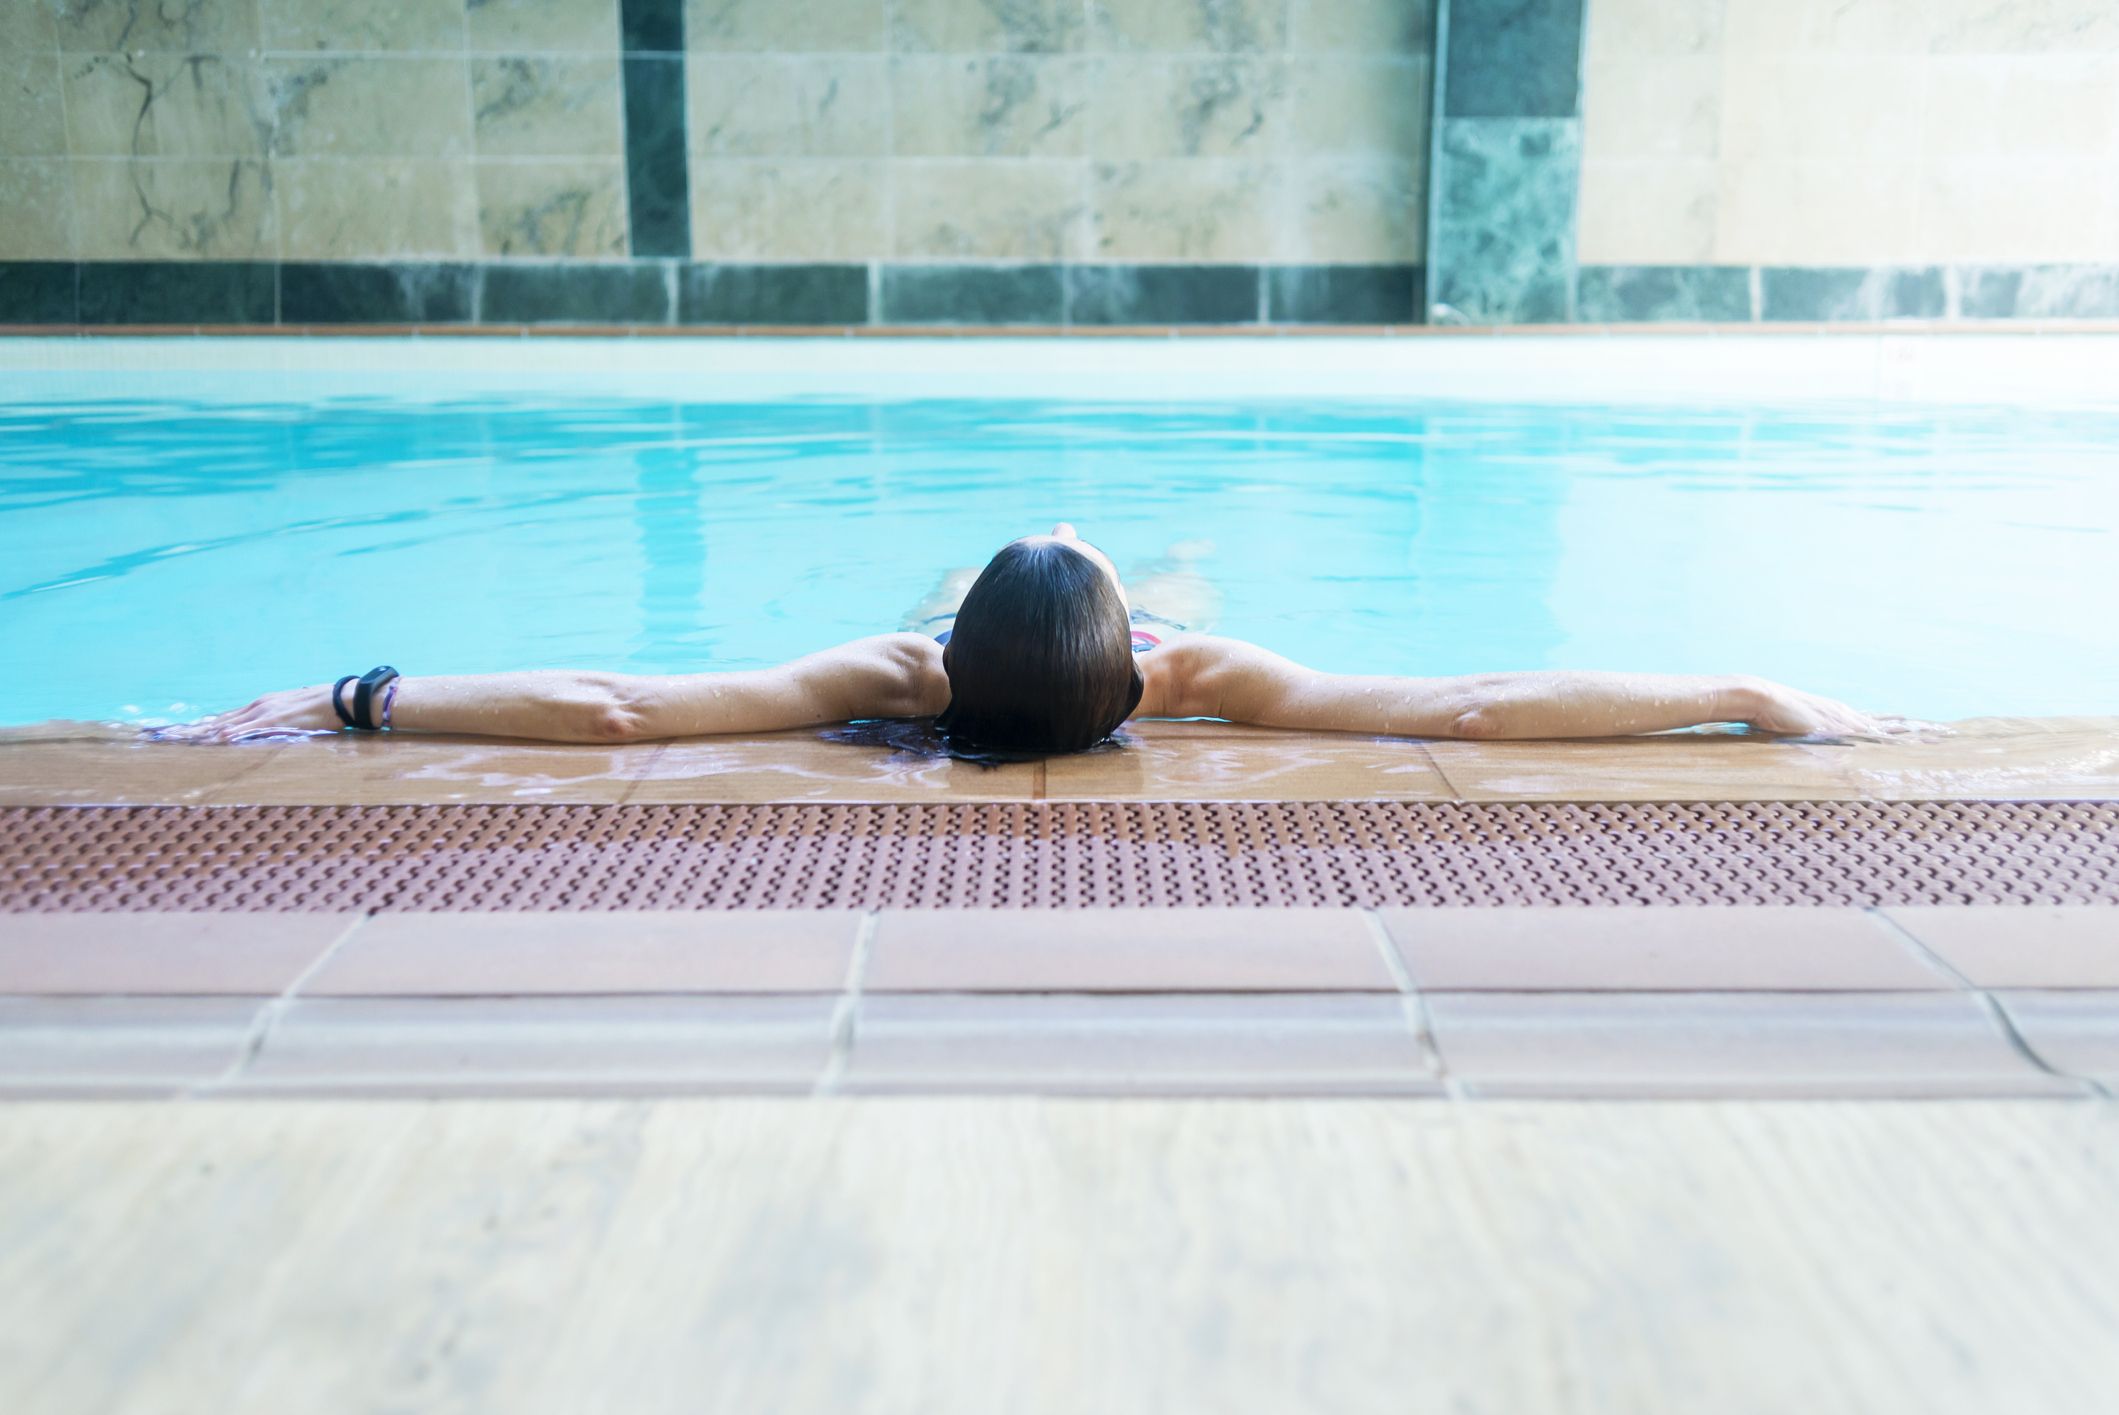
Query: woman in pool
point(1042, 653)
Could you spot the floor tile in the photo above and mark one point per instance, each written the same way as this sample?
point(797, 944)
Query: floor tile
point(1736, 1045)
point(112, 773)
point(118, 1046)
point(543, 1046)
point(1259, 1044)
point(2076, 1032)
point(253, 954)
point(457, 954)
point(1693, 767)
point(1662, 948)
point(801, 766)
point(2020, 945)
point(1125, 950)
point(2048, 758)
point(1198, 766)
point(391, 771)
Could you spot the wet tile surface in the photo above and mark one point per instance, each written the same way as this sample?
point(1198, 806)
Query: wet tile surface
point(721, 951)
point(91, 773)
point(242, 954)
point(1708, 1044)
point(1125, 950)
point(800, 766)
point(1667, 948)
point(1257, 1045)
point(118, 1045)
point(1689, 768)
point(1222, 762)
point(543, 1046)
point(2020, 946)
point(2072, 1032)
point(407, 771)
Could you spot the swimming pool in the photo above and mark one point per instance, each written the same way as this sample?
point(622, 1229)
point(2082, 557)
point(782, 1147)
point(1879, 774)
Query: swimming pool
point(171, 546)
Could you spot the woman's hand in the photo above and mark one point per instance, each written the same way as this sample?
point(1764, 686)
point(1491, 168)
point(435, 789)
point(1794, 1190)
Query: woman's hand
point(1775, 707)
point(294, 712)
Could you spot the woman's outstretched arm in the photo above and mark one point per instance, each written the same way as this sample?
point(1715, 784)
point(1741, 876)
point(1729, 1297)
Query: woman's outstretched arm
point(886, 675)
point(1231, 679)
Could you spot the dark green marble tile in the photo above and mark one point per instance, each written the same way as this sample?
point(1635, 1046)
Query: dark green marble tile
point(651, 26)
point(1513, 59)
point(2039, 292)
point(580, 293)
point(1823, 294)
point(1345, 294)
point(400, 293)
point(773, 294)
point(657, 167)
point(38, 292)
point(1622, 294)
point(1503, 247)
point(971, 294)
point(179, 292)
point(1162, 294)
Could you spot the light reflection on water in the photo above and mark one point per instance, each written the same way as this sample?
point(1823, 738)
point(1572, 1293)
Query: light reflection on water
point(158, 557)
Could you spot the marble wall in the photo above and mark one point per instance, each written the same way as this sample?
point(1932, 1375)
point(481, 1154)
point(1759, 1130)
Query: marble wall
point(922, 131)
point(1857, 134)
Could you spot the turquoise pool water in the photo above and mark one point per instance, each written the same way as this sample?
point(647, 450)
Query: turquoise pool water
point(161, 558)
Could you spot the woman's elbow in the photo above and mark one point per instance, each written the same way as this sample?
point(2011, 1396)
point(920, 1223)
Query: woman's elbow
point(1479, 724)
point(606, 712)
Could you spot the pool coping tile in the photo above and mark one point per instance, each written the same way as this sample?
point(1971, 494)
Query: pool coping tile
point(164, 954)
point(2019, 945)
point(107, 1047)
point(1232, 949)
point(1258, 1044)
point(1657, 948)
point(1718, 1045)
point(589, 954)
point(2074, 1031)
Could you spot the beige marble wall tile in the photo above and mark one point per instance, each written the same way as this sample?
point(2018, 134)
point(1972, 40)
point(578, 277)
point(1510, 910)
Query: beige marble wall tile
point(371, 208)
point(523, 26)
point(166, 209)
point(36, 209)
point(413, 26)
point(999, 209)
point(2007, 210)
point(1645, 29)
point(168, 26)
point(1846, 27)
point(1836, 108)
point(1822, 211)
point(1209, 210)
point(976, 106)
point(371, 107)
point(552, 208)
point(1668, 107)
point(166, 105)
point(985, 27)
point(27, 27)
point(1189, 26)
point(1344, 106)
point(32, 109)
point(2029, 105)
point(773, 106)
point(2017, 27)
point(1353, 210)
point(1363, 26)
point(542, 106)
point(1647, 211)
point(1153, 107)
point(802, 210)
point(754, 26)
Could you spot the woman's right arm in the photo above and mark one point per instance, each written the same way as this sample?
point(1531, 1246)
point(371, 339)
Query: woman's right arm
point(1241, 682)
point(885, 675)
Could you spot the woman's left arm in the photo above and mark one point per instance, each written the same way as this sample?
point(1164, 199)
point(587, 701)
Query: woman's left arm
point(885, 675)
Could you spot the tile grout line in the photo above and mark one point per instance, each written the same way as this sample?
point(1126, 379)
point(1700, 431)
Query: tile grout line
point(625, 797)
point(1435, 765)
point(268, 1016)
point(1411, 1003)
point(845, 1017)
point(1987, 1000)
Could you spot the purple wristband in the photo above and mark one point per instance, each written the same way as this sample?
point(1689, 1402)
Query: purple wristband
point(389, 701)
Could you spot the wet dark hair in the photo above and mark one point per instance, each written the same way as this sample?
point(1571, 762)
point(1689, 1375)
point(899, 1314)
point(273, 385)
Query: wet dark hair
point(1040, 658)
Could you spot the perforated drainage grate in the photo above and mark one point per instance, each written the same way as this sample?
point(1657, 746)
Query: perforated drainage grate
point(1053, 854)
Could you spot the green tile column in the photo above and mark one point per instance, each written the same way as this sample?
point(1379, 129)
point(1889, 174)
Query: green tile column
point(1505, 162)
